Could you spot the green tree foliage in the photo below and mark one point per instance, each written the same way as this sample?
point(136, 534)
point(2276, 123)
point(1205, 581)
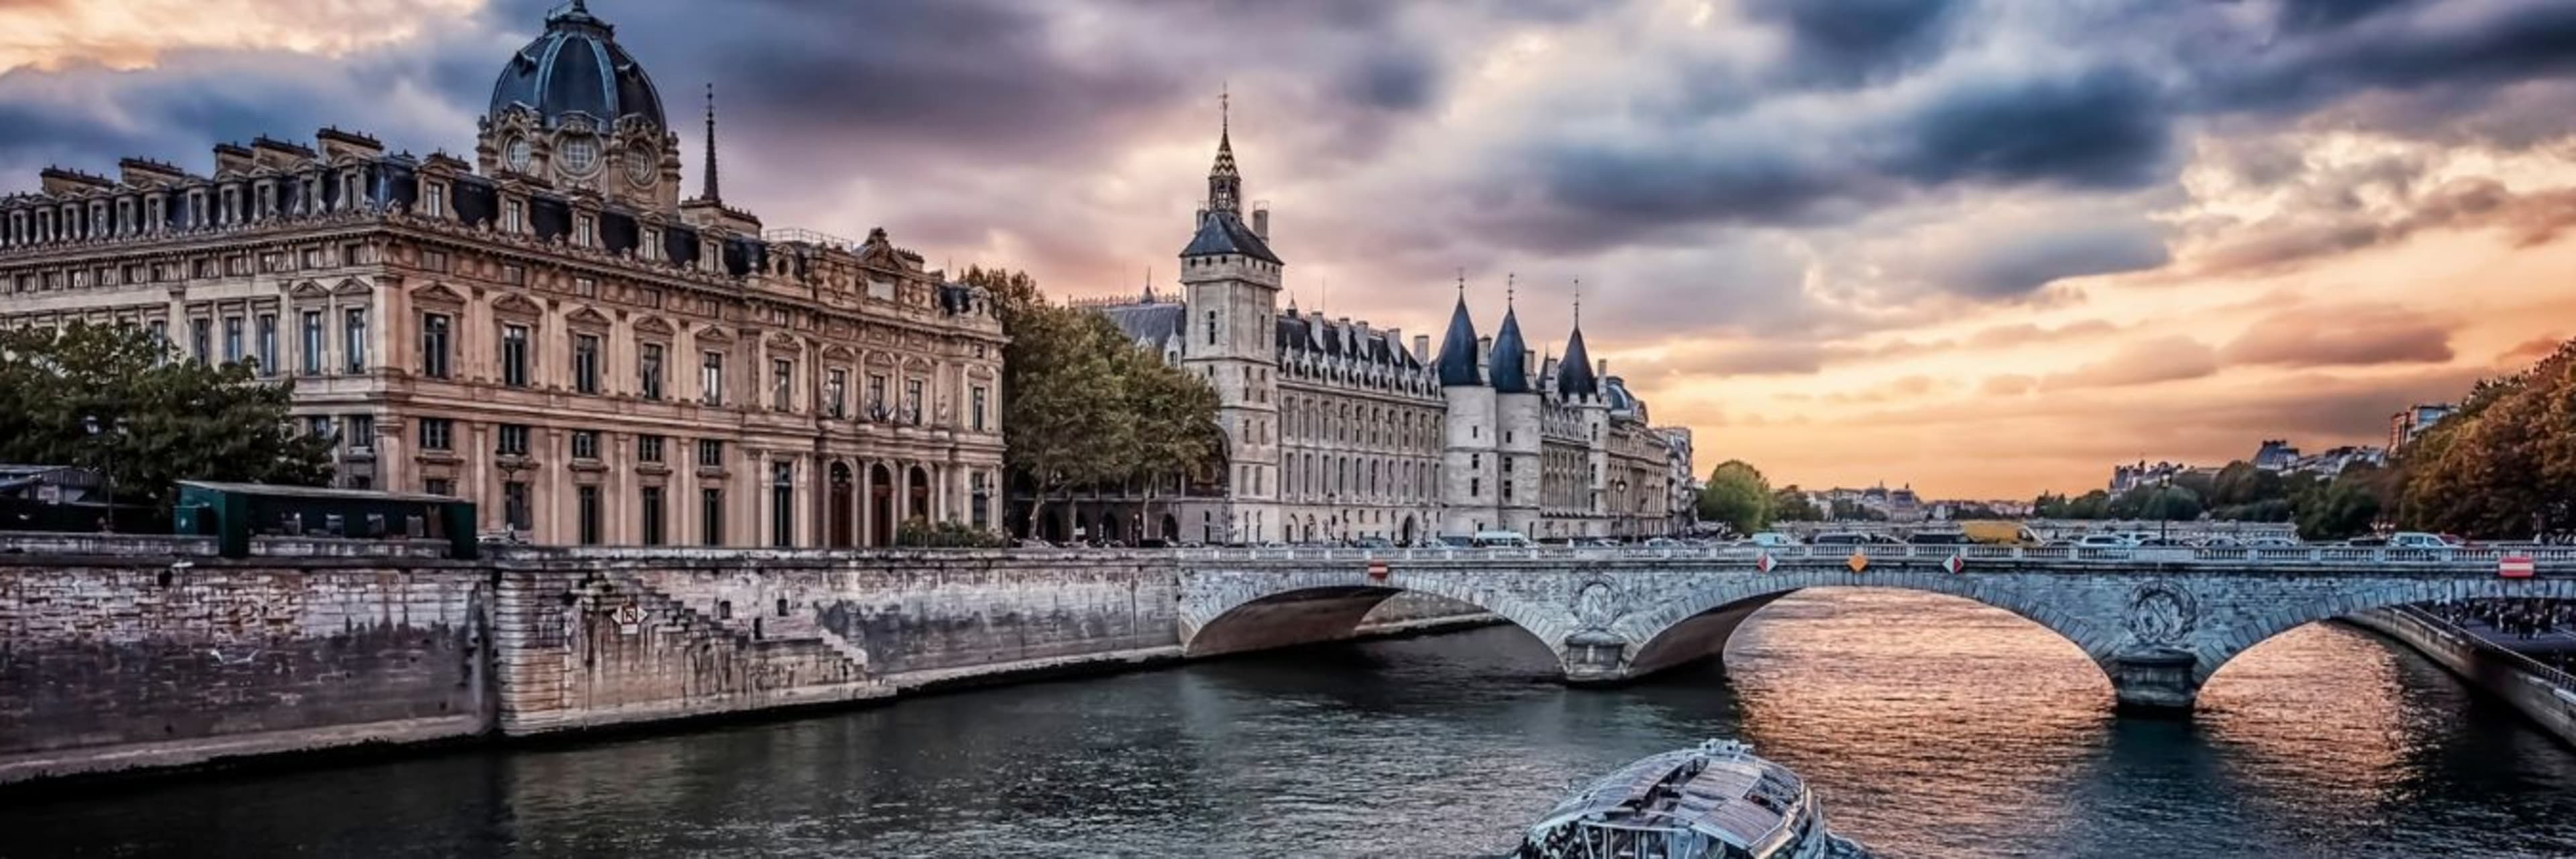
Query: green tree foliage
point(167, 420)
point(1790, 504)
point(2504, 464)
point(2159, 502)
point(1736, 495)
point(1850, 510)
point(1083, 405)
point(2091, 505)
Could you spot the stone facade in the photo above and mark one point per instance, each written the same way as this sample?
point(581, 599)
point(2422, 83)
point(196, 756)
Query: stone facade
point(548, 331)
point(1339, 431)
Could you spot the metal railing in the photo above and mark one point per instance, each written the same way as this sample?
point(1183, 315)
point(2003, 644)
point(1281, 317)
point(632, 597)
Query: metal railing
point(2228, 557)
point(2563, 680)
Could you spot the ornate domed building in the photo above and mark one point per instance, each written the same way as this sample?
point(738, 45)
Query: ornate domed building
point(575, 111)
point(547, 330)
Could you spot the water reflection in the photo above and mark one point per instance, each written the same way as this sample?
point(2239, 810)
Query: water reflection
point(1932, 726)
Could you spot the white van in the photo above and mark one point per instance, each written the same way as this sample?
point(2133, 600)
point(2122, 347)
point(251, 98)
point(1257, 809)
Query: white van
point(1502, 540)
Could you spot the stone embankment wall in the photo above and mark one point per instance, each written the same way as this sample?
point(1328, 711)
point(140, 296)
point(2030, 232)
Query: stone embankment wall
point(2547, 703)
point(118, 663)
point(132, 653)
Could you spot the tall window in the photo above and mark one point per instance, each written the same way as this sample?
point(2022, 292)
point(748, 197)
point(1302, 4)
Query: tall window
point(232, 338)
point(437, 434)
point(876, 395)
point(649, 371)
point(836, 392)
point(433, 345)
point(514, 217)
point(782, 503)
point(648, 448)
point(1211, 328)
point(586, 500)
point(267, 344)
point(979, 408)
point(353, 339)
point(361, 431)
point(782, 384)
point(201, 340)
point(585, 363)
point(585, 444)
point(514, 355)
point(912, 400)
point(710, 453)
point(711, 379)
point(512, 440)
point(650, 504)
point(312, 359)
point(980, 492)
point(711, 516)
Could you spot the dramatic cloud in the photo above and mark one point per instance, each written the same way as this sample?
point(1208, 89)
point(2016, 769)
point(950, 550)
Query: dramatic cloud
point(2327, 336)
point(2146, 362)
point(2031, 207)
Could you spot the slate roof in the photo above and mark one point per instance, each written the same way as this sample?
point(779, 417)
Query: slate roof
point(1155, 323)
point(1223, 232)
point(577, 66)
point(1457, 362)
point(1509, 374)
point(1574, 375)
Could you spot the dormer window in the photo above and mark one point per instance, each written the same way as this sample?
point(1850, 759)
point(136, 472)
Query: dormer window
point(585, 230)
point(197, 208)
point(349, 189)
point(651, 247)
point(125, 225)
point(267, 200)
point(433, 199)
point(514, 217)
point(232, 205)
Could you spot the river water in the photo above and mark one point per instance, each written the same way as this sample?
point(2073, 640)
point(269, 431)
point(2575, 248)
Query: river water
point(1929, 726)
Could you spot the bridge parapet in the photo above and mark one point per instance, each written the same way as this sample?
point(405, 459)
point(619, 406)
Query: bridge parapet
point(2159, 622)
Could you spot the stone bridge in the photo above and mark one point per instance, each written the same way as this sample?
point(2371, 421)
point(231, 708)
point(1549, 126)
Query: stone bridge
point(2159, 622)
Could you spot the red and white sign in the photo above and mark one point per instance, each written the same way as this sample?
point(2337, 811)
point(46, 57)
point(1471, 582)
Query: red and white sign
point(1955, 563)
point(1377, 570)
point(2516, 566)
point(1764, 563)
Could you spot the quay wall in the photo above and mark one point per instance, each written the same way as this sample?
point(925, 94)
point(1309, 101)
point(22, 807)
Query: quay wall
point(2488, 668)
point(139, 653)
point(121, 663)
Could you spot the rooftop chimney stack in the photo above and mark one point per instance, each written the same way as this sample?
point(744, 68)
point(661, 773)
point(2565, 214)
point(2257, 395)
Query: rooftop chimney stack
point(1422, 348)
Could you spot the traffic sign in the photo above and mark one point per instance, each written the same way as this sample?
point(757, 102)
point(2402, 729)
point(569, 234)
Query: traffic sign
point(1377, 570)
point(1859, 562)
point(2516, 566)
point(1955, 563)
point(1764, 563)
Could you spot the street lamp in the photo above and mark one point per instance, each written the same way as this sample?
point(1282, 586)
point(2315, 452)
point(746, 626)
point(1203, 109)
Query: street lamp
point(98, 429)
point(2164, 507)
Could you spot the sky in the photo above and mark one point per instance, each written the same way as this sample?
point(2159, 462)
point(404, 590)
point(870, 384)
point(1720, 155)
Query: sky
point(1984, 248)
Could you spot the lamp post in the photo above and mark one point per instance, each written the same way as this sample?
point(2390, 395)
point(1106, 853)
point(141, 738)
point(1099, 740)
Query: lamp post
point(99, 429)
point(2164, 509)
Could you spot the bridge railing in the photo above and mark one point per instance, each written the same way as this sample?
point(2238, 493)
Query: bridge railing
point(2564, 680)
point(2547, 557)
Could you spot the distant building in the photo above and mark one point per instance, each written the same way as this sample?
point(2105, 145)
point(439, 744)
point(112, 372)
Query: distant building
point(2333, 461)
point(2412, 421)
point(2276, 455)
point(2143, 473)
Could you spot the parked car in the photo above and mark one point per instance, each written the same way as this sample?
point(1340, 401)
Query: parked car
point(1771, 539)
point(2164, 543)
point(1838, 538)
point(2417, 540)
point(2272, 541)
point(1502, 539)
point(1663, 543)
point(1939, 538)
point(1373, 543)
point(2105, 541)
point(2366, 540)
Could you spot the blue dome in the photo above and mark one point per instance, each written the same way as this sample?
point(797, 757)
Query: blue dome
point(577, 67)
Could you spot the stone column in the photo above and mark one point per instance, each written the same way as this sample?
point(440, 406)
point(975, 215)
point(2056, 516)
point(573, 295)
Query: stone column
point(2155, 681)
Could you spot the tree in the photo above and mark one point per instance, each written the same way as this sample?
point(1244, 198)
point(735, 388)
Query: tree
point(1063, 398)
point(1736, 495)
point(1175, 418)
point(2504, 464)
point(162, 420)
point(1789, 504)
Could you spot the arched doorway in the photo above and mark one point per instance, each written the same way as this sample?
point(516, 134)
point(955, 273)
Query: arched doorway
point(844, 517)
point(1407, 538)
point(1108, 532)
point(880, 506)
point(920, 490)
point(1171, 527)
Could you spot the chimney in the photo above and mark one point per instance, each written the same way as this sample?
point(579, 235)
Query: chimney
point(1484, 353)
point(1261, 223)
point(1529, 359)
point(1601, 368)
point(145, 173)
point(338, 144)
point(1422, 348)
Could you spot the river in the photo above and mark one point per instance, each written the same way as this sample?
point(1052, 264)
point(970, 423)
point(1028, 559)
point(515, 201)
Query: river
point(1929, 726)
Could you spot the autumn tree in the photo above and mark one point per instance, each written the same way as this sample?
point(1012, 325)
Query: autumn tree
point(160, 420)
point(2503, 465)
point(1176, 428)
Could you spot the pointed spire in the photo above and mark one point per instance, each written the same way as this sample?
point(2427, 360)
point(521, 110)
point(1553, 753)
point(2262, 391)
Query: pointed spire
point(711, 192)
point(1578, 305)
point(1457, 362)
point(1511, 286)
point(1574, 377)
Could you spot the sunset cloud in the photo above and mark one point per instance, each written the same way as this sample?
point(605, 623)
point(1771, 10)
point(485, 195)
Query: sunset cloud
point(1956, 221)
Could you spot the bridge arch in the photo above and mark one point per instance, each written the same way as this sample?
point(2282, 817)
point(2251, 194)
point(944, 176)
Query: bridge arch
point(2346, 598)
point(1699, 622)
point(1236, 612)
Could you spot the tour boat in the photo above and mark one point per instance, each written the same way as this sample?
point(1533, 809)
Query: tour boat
point(1715, 801)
